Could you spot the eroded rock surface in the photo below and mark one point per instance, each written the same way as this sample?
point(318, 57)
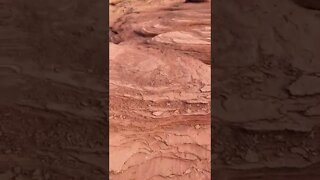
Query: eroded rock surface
point(53, 92)
point(266, 90)
point(160, 90)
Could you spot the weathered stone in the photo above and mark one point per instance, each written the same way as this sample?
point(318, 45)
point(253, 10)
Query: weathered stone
point(305, 85)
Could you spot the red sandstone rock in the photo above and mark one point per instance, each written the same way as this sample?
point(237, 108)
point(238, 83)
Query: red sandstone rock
point(159, 95)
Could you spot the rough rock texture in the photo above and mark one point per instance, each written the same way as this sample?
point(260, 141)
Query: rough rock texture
point(266, 91)
point(160, 90)
point(53, 92)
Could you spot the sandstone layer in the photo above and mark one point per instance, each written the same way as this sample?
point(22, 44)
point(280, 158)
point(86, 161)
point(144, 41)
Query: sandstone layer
point(159, 90)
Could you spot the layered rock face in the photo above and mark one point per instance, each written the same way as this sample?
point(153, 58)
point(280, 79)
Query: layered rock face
point(53, 90)
point(266, 90)
point(160, 90)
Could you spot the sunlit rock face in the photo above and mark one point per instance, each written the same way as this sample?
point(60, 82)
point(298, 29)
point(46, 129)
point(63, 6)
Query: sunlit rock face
point(160, 90)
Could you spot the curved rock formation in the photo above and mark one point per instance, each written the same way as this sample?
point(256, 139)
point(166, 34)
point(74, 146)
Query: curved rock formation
point(160, 92)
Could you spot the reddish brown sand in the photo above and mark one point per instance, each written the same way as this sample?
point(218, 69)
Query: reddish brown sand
point(159, 90)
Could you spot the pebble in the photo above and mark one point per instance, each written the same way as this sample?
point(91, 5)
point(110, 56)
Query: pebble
point(205, 89)
point(157, 113)
point(197, 126)
point(188, 171)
